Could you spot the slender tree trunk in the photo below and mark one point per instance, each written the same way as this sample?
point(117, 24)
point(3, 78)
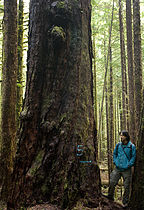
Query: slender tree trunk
point(123, 67)
point(111, 116)
point(102, 140)
point(116, 120)
point(56, 142)
point(95, 81)
point(95, 99)
point(127, 101)
point(20, 60)
point(130, 70)
point(9, 93)
point(137, 62)
point(118, 116)
point(100, 134)
point(108, 134)
point(120, 112)
point(107, 118)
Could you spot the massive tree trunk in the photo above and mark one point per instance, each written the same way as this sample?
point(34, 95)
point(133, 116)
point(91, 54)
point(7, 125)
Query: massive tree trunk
point(130, 70)
point(56, 141)
point(137, 201)
point(137, 62)
point(9, 93)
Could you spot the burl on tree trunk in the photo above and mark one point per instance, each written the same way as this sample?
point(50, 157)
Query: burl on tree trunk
point(56, 153)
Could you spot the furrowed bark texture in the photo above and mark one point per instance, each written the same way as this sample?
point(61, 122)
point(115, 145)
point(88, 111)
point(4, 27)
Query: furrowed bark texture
point(130, 70)
point(123, 68)
point(9, 94)
point(20, 60)
point(57, 115)
point(137, 201)
point(137, 63)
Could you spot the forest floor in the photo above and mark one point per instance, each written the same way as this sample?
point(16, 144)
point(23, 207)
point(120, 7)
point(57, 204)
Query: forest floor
point(80, 206)
point(104, 203)
point(45, 206)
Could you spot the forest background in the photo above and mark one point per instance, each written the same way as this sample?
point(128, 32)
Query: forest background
point(115, 90)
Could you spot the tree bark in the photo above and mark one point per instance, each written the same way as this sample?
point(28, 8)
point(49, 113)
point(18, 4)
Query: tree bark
point(123, 68)
point(130, 70)
point(95, 97)
point(20, 60)
point(95, 81)
point(109, 154)
point(57, 134)
point(137, 62)
point(111, 115)
point(137, 201)
point(9, 94)
point(120, 110)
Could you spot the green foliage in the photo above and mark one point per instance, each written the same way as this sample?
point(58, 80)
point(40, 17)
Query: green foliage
point(61, 4)
point(101, 20)
point(19, 85)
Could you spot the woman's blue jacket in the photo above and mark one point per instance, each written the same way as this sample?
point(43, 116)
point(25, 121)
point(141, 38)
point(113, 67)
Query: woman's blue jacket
point(121, 160)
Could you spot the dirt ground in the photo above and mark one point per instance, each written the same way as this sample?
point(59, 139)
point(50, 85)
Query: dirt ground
point(45, 206)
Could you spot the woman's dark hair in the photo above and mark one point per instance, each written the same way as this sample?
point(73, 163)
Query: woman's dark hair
point(126, 134)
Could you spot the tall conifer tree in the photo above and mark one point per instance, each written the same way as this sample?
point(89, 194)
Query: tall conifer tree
point(130, 69)
point(9, 93)
point(20, 59)
point(137, 62)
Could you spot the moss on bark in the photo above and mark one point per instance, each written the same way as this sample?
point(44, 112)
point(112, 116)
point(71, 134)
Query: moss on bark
point(59, 99)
